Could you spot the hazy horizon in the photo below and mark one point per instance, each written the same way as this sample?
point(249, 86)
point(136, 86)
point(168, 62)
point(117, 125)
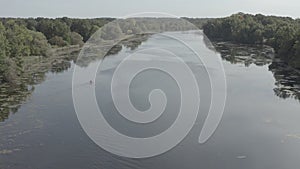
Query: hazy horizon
point(119, 9)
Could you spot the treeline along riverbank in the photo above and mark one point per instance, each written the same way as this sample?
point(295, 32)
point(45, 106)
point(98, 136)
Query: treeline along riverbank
point(281, 33)
point(23, 37)
point(20, 38)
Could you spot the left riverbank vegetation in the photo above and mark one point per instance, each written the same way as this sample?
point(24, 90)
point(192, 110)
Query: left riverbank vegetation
point(21, 38)
point(24, 37)
point(31, 47)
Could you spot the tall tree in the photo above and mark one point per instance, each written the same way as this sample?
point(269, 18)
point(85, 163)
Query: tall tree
point(18, 38)
point(39, 44)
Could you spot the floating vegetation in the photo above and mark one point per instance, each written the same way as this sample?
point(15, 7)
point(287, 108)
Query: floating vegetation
point(241, 157)
point(93, 51)
point(245, 54)
point(4, 152)
point(295, 136)
point(287, 78)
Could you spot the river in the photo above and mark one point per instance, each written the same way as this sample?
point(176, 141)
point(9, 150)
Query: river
point(260, 126)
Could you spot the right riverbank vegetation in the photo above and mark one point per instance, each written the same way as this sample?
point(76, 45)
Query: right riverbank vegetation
point(281, 33)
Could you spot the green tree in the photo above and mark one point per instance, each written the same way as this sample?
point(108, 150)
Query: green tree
point(53, 27)
point(111, 31)
point(83, 27)
point(3, 66)
point(19, 39)
point(76, 39)
point(8, 68)
point(57, 41)
point(39, 44)
point(282, 33)
point(3, 41)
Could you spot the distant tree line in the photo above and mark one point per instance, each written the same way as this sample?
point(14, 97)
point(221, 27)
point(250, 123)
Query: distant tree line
point(281, 33)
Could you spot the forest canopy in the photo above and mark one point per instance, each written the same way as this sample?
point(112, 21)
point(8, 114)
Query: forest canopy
point(281, 33)
point(20, 37)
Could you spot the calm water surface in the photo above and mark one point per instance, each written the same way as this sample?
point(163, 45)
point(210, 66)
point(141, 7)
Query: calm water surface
point(259, 129)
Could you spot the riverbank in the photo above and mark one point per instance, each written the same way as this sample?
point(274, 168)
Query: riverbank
point(281, 33)
point(12, 95)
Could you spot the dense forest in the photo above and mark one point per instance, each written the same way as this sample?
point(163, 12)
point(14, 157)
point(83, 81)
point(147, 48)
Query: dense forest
point(281, 33)
point(35, 36)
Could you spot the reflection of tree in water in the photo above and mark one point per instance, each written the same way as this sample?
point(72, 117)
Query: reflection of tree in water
point(106, 41)
point(12, 98)
point(13, 95)
point(287, 78)
point(95, 52)
point(131, 43)
point(135, 41)
point(59, 66)
point(245, 54)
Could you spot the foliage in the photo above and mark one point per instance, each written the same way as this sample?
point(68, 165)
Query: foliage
point(39, 44)
point(34, 36)
point(57, 41)
point(76, 39)
point(281, 33)
point(18, 38)
point(51, 28)
point(86, 27)
point(3, 41)
point(3, 58)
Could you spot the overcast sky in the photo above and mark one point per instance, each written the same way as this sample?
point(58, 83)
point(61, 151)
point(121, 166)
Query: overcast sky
point(120, 8)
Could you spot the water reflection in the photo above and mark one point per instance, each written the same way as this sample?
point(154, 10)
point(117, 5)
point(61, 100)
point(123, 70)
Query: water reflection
point(245, 54)
point(132, 42)
point(287, 78)
point(13, 95)
point(258, 129)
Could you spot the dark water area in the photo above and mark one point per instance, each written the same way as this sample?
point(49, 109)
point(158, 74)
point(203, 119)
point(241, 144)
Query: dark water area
point(260, 127)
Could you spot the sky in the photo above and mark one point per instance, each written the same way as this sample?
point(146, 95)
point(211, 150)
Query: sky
point(122, 8)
